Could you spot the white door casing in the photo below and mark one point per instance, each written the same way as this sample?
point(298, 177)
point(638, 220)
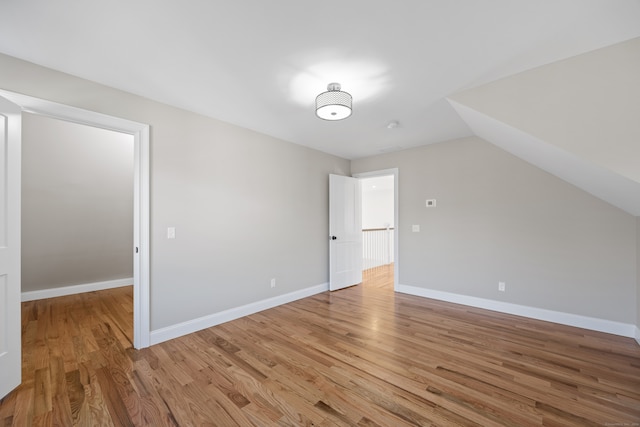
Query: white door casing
point(345, 232)
point(141, 220)
point(10, 188)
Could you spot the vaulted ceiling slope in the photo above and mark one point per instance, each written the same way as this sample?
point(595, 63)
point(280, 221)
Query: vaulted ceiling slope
point(259, 64)
point(578, 119)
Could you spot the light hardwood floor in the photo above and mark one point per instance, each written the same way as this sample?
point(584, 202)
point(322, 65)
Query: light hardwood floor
point(362, 356)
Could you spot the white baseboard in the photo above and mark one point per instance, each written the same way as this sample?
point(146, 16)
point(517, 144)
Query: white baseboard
point(75, 289)
point(638, 334)
point(190, 326)
point(592, 323)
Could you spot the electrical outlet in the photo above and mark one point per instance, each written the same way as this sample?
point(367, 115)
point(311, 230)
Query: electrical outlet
point(431, 203)
point(273, 283)
point(502, 287)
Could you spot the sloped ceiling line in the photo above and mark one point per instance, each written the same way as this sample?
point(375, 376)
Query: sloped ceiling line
point(602, 183)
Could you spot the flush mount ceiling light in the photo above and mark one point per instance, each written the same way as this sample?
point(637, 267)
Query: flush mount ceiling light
point(333, 104)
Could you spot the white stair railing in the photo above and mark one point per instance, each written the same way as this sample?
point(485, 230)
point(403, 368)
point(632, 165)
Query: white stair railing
point(377, 247)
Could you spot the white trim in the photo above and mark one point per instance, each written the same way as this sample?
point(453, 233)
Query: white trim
point(637, 337)
point(592, 323)
point(190, 326)
point(141, 222)
point(396, 216)
point(55, 110)
point(75, 289)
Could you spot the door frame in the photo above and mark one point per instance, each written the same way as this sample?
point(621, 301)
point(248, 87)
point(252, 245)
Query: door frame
point(141, 222)
point(396, 217)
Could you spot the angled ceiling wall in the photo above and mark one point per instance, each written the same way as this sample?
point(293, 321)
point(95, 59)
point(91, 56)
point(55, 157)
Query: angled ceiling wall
point(578, 119)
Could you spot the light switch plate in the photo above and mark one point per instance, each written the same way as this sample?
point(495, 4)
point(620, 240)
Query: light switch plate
point(415, 228)
point(171, 233)
point(431, 203)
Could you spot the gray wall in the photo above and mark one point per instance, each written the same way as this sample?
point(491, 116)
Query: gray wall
point(500, 219)
point(246, 207)
point(77, 204)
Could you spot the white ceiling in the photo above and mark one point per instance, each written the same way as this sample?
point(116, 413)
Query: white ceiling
point(260, 64)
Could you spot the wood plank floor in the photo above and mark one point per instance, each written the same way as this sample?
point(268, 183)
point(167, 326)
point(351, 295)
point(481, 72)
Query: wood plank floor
point(362, 356)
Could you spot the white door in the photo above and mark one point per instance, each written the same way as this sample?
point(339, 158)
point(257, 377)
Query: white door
point(10, 149)
point(345, 232)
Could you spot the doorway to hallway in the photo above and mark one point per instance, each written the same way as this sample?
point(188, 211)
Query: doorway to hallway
point(378, 230)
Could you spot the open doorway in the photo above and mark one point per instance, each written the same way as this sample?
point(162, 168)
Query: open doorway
point(141, 175)
point(77, 211)
point(379, 219)
point(77, 207)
